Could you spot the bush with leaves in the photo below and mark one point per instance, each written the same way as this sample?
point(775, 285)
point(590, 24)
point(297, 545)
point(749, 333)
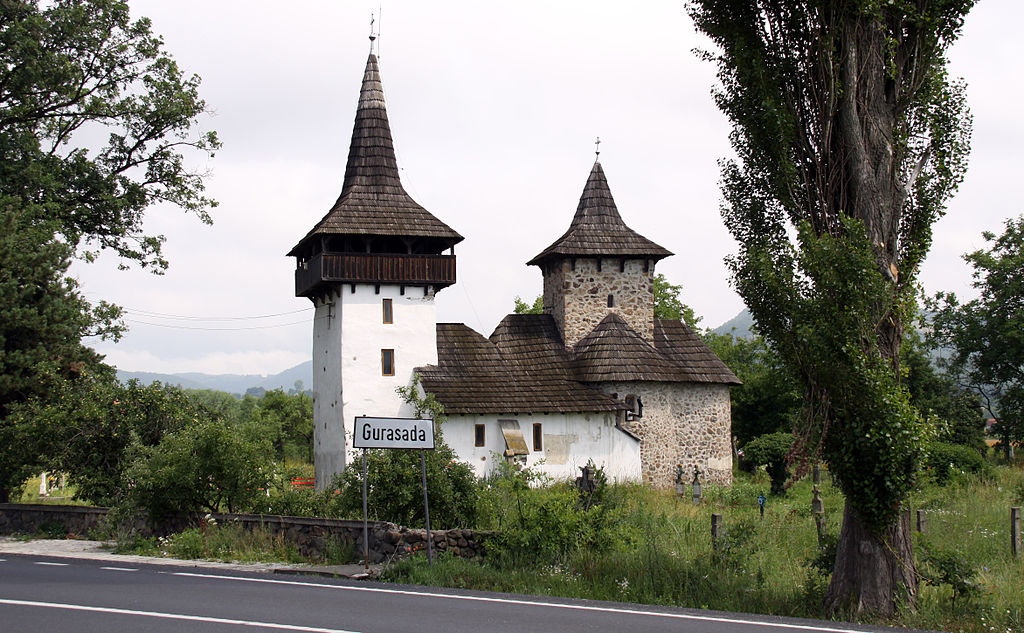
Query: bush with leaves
point(395, 484)
point(538, 521)
point(206, 466)
point(395, 487)
point(770, 451)
point(953, 569)
point(945, 461)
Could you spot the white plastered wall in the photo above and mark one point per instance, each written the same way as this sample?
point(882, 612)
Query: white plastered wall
point(348, 335)
point(569, 441)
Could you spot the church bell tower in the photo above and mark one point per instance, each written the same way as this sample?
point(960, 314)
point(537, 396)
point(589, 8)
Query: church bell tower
point(371, 267)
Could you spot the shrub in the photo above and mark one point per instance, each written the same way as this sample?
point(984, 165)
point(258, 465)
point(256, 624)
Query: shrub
point(538, 521)
point(770, 451)
point(204, 467)
point(944, 461)
point(395, 488)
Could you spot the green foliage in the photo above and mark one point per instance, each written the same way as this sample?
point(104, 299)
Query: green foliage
point(206, 466)
point(985, 333)
point(953, 569)
point(80, 69)
point(945, 462)
point(87, 423)
point(954, 412)
point(771, 451)
point(72, 72)
point(850, 138)
point(667, 304)
point(395, 486)
point(287, 419)
point(521, 307)
point(769, 399)
point(540, 522)
point(44, 318)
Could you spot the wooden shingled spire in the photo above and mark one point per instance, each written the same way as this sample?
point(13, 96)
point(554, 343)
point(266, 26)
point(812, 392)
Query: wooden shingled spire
point(597, 229)
point(373, 201)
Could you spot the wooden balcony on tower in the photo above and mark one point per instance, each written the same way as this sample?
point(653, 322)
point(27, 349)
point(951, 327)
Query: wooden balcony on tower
point(375, 268)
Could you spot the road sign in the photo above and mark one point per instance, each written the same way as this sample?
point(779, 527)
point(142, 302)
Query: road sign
point(393, 433)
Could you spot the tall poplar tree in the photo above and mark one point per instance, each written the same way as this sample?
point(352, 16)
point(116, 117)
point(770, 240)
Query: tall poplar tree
point(850, 138)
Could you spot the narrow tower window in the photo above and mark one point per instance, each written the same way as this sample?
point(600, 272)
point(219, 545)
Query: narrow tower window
point(479, 434)
point(611, 301)
point(387, 362)
point(538, 435)
point(388, 317)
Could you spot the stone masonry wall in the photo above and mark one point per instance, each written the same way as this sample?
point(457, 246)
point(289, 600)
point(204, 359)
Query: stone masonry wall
point(578, 298)
point(682, 423)
point(311, 535)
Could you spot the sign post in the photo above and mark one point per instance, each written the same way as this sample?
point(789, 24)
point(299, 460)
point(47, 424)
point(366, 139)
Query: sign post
point(401, 433)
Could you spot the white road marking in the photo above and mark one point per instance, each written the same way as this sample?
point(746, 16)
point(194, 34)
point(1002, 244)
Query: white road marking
point(171, 616)
point(119, 569)
point(52, 564)
point(532, 603)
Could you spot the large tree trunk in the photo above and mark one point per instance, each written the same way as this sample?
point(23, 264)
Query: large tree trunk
point(872, 572)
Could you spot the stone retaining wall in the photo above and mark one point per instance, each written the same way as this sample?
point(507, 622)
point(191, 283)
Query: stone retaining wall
point(311, 535)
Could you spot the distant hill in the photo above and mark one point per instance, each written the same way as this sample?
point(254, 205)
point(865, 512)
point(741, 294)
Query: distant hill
point(231, 383)
point(739, 326)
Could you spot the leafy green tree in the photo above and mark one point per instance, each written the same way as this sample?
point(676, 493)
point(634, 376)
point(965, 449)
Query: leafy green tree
point(88, 422)
point(986, 334)
point(521, 307)
point(769, 399)
point(667, 304)
point(44, 319)
point(849, 139)
point(288, 420)
point(771, 451)
point(953, 411)
point(73, 72)
point(207, 466)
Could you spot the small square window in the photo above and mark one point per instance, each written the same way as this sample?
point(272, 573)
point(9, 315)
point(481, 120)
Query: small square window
point(538, 437)
point(387, 362)
point(479, 433)
point(388, 315)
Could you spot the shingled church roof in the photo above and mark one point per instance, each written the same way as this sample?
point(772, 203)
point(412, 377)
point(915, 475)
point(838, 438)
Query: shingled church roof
point(524, 367)
point(597, 228)
point(372, 200)
point(474, 375)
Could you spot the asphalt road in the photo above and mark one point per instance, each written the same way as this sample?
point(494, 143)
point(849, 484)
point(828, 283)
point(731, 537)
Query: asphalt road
point(47, 594)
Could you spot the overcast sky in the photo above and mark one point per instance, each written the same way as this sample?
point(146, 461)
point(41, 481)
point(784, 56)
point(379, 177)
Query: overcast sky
point(494, 109)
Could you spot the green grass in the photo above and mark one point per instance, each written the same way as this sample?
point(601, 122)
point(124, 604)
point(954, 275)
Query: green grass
point(232, 543)
point(57, 496)
point(663, 555)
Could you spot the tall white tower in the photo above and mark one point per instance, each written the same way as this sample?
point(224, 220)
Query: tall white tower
point(371, 267)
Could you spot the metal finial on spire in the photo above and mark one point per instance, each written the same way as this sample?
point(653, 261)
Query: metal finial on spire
point(373, 35)
point(597, 149)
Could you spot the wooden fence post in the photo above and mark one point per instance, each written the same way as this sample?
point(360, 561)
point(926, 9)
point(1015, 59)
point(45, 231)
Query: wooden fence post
point(921, 521)
point(716, 529)
point(1015, 531)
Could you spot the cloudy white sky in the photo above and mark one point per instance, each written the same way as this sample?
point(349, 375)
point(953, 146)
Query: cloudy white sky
point(494, 108)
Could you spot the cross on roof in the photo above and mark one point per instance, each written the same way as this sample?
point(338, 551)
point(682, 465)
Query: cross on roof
point(597, 147)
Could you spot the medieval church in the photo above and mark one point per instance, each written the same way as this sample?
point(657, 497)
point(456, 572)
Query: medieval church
point(595, 377)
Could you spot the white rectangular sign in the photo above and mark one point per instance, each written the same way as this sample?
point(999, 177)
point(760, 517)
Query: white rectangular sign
point(393, 433)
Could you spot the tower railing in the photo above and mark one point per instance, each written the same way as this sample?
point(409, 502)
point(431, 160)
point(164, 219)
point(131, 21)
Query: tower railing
point(386, 268)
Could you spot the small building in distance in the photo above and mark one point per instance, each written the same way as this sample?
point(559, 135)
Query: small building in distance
point(596, 378)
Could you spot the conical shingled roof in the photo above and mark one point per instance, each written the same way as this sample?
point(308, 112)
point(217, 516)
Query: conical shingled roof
point(597, 229)
point(372, 200)
point(615, 352)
